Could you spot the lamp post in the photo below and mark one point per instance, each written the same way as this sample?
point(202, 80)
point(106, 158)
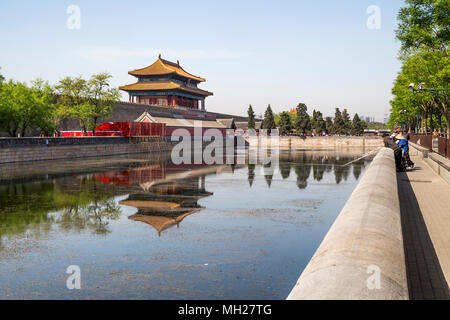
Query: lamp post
point(421, 89)
point(418, 121)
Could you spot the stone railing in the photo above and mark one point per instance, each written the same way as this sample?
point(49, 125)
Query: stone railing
point(362, 256)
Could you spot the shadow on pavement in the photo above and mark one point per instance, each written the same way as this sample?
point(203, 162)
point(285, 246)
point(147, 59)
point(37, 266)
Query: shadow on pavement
point(426, 281)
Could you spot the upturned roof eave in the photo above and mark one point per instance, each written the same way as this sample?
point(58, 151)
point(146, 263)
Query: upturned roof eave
point(166, 66)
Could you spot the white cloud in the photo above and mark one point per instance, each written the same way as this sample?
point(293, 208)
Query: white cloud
point(116, 54)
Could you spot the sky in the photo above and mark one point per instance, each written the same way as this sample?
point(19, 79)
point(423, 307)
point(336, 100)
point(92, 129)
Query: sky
point(281, 53)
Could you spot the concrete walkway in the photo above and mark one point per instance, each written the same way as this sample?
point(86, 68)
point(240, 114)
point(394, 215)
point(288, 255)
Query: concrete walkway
point(425, 212)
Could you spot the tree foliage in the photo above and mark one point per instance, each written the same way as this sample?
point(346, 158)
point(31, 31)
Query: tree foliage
point(269, 120)
point(346, 121)
point(285, 125)
point(251, 118)
point(2, 78)
point(424, 24)
point(102, 98)
point(41, 107)
point(318, 124)
point(87, 100)
point(303, 123)
point(25, 108)
point(357, 126)
point(329, 125)
point(424, 33)
point(338, 124)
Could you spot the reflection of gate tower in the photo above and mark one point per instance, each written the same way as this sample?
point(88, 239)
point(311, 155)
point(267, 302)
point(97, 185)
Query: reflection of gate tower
point(167, 204)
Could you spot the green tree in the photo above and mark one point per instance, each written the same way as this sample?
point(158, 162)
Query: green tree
point(346, 120)
point(421, 110)
point(285, 125)
point(9, 108)
point(18, 111)
point(269, 120)
point(303, 124)
point(339, 124)
point(45, 108)
point(329, 125)
point(424, 34)
point(318, 124)
point(25, 108)
point(2, 78)
point(87, 101)
point(424, 24)
point(74, 100)
point(102, 99)
point(357, 126)
point(251, 118)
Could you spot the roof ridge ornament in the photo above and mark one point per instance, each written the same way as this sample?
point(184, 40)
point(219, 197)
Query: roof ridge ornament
point(159, 56)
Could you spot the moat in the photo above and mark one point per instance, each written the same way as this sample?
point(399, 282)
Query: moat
point(148, 229)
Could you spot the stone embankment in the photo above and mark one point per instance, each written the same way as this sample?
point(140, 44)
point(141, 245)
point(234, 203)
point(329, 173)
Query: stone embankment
point(315, 143)
point(40, 149)
point(362, 256)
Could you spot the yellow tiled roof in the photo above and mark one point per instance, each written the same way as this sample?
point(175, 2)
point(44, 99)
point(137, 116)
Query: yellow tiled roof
point(151, 85)
point(163, 67)
point(163, 85)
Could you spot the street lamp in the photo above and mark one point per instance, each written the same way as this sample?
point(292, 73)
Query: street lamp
point(421, 89)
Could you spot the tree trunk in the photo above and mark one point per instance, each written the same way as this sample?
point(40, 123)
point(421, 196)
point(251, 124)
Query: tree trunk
point(439, 120)
point(95, 126)
point(425, 122)
point(447, 117)
point(430, 112)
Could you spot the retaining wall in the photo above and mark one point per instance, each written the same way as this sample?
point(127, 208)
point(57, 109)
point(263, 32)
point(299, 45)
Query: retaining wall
point(38, 149)
point(334, 142)
point(365, 238)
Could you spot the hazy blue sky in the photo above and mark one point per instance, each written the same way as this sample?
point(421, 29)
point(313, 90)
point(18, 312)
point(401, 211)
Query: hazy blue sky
point(251, 52)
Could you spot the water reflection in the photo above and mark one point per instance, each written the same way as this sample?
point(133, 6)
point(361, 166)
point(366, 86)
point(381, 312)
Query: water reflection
point(244, 230)
point(162, 194)
point(167, 204)
point(303, 163)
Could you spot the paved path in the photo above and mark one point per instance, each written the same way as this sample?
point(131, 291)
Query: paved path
point(425, 209)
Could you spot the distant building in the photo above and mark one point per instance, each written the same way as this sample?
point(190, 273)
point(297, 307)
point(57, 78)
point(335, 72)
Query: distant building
point(165, 83)
point(368, 119)
point(165, 93)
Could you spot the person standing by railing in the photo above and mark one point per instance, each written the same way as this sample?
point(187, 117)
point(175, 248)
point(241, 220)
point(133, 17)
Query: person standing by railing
point(394, 135)
point(403, 143)
point(391, 143)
